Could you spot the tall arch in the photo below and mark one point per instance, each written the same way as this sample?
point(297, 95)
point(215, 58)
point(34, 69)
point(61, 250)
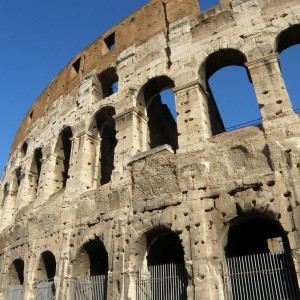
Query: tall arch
point(288, 47)
point(35, 171)
point(258, 255)
point(103, 126)
point(16, 279)
point(44, 276)
point(162, 127)
point(91, 269)
point(219, 75)
point(163, 265)
point(63, 151)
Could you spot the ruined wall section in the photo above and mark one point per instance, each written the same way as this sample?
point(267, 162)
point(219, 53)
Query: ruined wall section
point(196, 192)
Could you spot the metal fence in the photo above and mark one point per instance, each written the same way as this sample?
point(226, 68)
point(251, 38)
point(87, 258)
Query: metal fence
point(268, 276)
point(15, 292)
point(162, 282)
point(91, 288)
point(45, 290)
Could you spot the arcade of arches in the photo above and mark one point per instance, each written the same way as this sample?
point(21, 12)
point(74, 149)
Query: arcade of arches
point(124, 181)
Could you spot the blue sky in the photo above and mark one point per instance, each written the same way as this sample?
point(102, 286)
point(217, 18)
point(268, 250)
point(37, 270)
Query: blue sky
point(38, 38)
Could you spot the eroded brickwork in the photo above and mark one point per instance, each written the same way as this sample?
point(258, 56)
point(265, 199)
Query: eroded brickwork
point(100, 176)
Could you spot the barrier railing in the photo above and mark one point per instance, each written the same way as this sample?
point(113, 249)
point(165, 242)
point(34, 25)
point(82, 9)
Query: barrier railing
point(268, 276)
point(15, 292)
point(45, 290)
point(162, 282)
point(92, 287)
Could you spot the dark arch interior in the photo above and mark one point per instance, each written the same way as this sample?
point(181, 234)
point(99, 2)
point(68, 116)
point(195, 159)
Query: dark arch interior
point(109, 82)
point(49, 263)
point(65, 149)
point(164, 247)
point(289, 37)
point(106, 127)
point(98, 257)
point(17, 272)
point(37, 163)
point(251, 235)
point(162, 125)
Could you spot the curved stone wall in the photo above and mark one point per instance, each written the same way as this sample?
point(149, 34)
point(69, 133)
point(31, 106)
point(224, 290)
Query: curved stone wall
point(99, 165)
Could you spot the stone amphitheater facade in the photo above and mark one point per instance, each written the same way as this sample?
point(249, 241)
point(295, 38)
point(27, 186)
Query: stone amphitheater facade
point(101, 180)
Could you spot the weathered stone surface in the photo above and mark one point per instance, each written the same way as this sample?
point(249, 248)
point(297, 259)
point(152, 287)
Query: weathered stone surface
point(115, 172)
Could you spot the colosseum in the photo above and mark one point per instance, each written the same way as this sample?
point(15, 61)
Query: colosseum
point(107, 195)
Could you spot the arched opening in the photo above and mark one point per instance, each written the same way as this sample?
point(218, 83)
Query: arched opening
point(288, 47)
point(45, 274)
point(24, 149)
point(258, 260)
point(109, 81)
point(158, 103)
point(17, 180)
point(35, 171)
point(165, 271)
point(16, 279)
point(104, 126)
point(63, 152)
point(5, 192)
point(91, 269)
point(228, 88)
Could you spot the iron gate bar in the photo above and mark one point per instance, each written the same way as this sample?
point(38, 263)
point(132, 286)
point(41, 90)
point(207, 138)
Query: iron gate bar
point(268, 276)
point(162, 282)
point(15, 292)
point(91, 288)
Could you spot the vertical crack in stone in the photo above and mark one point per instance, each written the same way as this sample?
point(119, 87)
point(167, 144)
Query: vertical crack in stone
point(167, 49)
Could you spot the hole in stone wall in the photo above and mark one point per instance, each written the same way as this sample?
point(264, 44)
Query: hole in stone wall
point(76, 65)
point(110, 42)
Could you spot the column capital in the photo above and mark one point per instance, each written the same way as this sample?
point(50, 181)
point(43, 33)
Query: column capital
point(271, 58)
point(186, 86)
point(88, 134)
point(131, 111)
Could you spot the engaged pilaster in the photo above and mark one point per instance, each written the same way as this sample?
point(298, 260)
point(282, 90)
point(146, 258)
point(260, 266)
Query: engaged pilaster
point(193, 122)
point(272, 96)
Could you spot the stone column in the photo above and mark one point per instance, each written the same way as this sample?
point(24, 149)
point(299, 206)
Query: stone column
point(272, 96)
point(131, 127)
point(9, 207)
point(193, 121)
point(84, 163)
point(48, 182)
point(27, 190)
